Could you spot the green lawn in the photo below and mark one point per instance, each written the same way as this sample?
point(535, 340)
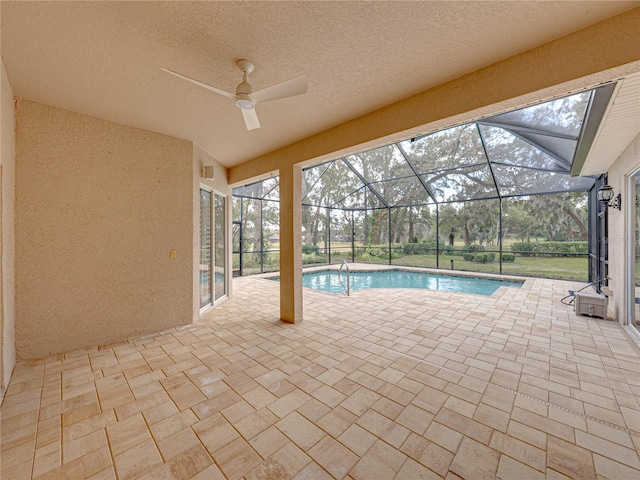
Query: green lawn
point(566, 268)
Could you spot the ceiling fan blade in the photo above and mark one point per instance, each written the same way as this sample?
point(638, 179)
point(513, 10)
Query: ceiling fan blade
point(288, 88)
point(200, 84)
point(250, 118)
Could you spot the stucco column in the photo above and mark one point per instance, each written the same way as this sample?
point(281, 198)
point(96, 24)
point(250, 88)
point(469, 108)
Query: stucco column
point(291, 244)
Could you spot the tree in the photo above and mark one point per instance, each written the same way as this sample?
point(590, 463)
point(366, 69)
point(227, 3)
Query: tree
point(448, 221)
point(561, 216)
point(517, 219)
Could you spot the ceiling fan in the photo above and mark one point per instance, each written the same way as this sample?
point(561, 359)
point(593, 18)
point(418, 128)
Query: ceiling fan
point(246, 99)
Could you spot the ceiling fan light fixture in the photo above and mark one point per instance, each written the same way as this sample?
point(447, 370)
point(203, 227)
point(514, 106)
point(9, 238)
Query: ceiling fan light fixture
point(244, 103)
point(246, 98)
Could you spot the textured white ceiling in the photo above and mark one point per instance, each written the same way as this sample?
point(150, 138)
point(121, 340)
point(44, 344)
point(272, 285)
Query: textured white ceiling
point(103, 58)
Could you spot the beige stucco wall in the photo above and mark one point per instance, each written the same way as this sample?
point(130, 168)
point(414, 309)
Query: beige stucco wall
point(99, 207)
point(220, 185)
point(620, 236)
point(7, 165)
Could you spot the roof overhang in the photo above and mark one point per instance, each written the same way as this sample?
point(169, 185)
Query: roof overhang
point(619, 126)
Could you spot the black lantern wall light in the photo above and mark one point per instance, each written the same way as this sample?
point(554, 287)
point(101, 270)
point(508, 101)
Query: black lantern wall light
point(605, 194)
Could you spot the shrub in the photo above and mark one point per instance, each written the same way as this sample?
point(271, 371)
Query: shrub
point(508, 257)
point(448, 250)
point(557, 249)
point(311, 249)
point(418, 248)
point(312, 258)
point(364, 256)
point(380, 251)
point(484, 257)
point(430, 242)
point(473, 248)
point(396, 250)
point(468, 256)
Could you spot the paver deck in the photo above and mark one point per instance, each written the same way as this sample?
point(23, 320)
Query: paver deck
point(384, 384)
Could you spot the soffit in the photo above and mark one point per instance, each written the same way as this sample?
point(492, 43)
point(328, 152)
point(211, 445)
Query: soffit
point(619, 126)
point(103, 58)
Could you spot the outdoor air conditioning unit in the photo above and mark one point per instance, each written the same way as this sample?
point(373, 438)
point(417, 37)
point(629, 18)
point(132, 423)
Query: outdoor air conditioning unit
point(591, 304)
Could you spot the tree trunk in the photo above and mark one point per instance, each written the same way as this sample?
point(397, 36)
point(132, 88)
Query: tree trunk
point(309, 229)
point(314, 228)
point(377, 227)
point(365, 227)
point(584, 234)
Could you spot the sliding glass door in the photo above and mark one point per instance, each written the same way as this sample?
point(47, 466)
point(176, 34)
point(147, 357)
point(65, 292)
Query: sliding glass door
point(219, 265)
point(212, 247)
point(634, 252)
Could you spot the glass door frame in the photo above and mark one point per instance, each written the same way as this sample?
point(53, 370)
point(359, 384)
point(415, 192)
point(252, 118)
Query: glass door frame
point(212, 225)
point(238, 224)
point(630, 274)
point(217, 254)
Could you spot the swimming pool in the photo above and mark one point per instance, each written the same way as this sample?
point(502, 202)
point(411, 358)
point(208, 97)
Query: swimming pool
point(327, 281)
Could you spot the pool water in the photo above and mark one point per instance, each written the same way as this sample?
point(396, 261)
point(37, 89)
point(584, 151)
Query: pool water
point(327, 281)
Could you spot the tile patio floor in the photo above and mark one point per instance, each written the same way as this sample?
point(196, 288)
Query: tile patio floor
point(384, 384)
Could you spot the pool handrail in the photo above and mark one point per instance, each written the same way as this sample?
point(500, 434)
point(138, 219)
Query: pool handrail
point(347, 288)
